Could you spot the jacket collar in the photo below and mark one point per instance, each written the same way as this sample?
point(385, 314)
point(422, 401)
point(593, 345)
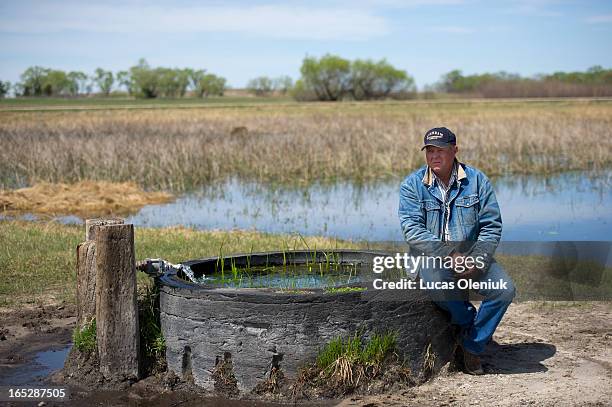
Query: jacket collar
point(429, 176)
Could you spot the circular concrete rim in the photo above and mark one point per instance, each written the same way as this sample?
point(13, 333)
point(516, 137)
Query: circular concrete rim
point(172, 280)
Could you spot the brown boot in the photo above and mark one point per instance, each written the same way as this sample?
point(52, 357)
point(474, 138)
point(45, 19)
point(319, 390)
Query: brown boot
point(471, 364)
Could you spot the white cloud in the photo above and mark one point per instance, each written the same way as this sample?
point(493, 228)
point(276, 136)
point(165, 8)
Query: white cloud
point(278, 21)
point(600, 19)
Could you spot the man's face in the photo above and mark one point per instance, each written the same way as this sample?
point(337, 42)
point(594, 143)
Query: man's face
point(440, 160)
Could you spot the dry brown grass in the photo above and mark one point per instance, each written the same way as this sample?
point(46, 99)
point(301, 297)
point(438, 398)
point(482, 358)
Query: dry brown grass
point(84, 199)
point(179, 149)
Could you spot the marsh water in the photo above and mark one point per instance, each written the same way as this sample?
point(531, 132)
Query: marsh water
point(567, 206)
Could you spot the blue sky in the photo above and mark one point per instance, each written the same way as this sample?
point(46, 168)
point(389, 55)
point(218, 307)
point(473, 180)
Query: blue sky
point(244, 39)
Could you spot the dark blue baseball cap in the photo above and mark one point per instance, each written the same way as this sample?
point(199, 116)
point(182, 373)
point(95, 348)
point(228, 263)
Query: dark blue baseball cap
point(439, 137)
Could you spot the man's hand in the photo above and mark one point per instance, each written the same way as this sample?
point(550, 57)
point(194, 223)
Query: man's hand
point(463, 272)
point(457, 259)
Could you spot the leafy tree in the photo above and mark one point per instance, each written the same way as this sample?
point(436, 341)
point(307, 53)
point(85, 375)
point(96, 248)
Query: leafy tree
point(302, 93)
point(172, 82)
point(143, 80)
point(78, 82)
point(104, 80)
point(166, 82)
point(376, 80)
point(195, 79)
point(283, 84)
point(449, 81)
point(334, 78)
point(38, 81)
point(212, 85)
point(261, 86)
point(5, 88)
point(32, 81)
point(183, 80)
point(594, 75)
point(124, 79)
point(328, 77)
point(147, 82)
point(455, 81)
point(56, 83)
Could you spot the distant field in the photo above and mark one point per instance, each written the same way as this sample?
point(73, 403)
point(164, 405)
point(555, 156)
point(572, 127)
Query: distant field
point(177, 146)
point(242, 99)
point(122, 102)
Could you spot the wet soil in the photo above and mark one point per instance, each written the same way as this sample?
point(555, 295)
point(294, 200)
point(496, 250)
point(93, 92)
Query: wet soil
point(29, 332)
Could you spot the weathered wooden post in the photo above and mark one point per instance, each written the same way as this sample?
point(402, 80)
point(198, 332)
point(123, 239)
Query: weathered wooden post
point(86, 272)
point(117, 331)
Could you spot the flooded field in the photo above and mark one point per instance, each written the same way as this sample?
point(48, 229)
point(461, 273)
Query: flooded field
point(568, 206)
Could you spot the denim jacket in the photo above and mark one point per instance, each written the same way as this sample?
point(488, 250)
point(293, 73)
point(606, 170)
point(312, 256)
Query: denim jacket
point(474, 213)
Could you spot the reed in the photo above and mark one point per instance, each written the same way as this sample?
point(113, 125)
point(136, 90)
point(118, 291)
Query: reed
point(180, 149)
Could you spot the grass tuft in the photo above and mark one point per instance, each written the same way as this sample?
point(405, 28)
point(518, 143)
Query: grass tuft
point(350, 360)
point(429, 360)
point(152, 342)
point(84, 339)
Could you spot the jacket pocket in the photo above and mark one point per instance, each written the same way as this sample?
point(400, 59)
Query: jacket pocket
point(433, 212)
point(467, 208)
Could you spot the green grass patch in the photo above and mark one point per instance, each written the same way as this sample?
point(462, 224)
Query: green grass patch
point(38, 260)
point(84, 339)
point(356, 351)
point(347, 362)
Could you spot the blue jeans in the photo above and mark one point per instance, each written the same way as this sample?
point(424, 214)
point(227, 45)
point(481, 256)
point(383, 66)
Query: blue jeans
point(477, 326)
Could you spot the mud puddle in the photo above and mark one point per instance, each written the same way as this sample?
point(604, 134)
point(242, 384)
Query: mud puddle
point(36, 368)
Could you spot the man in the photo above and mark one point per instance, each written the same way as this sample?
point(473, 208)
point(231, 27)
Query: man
point(448, 210)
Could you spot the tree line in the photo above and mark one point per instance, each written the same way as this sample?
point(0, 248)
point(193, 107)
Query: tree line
point(141, 80)
point(332, 78)
point(596, 81)
point(329, 78)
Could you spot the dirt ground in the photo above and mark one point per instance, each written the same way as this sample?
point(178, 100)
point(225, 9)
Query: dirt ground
point(542, 355)
point(554, 354)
